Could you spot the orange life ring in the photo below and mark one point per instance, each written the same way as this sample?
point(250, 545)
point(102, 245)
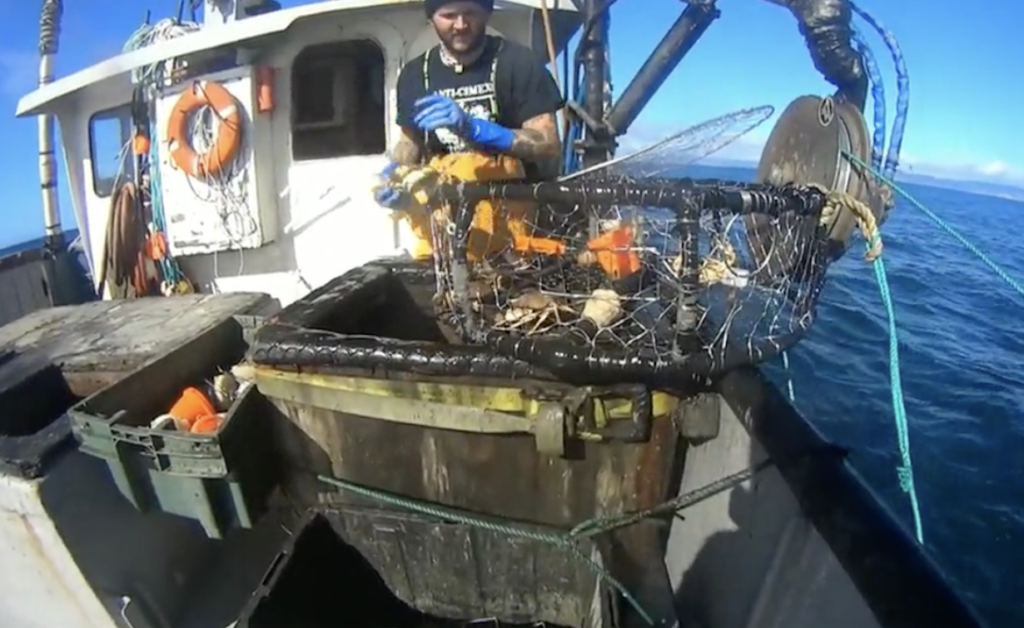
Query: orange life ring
point(229, 135)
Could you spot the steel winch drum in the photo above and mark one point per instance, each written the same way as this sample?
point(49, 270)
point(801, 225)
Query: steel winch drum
point(809, 145)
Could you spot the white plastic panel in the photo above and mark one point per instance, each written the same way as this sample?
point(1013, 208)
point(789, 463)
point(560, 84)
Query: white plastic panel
point(222, 213)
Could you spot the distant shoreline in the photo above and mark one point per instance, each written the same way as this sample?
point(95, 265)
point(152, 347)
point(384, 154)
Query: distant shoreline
point(980, 188)
point(34, 243)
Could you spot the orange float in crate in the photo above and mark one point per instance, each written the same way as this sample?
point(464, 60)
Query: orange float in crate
point(191, 406)
point(207, 424)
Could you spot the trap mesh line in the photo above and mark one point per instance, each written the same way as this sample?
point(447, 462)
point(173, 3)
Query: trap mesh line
point(632, 271)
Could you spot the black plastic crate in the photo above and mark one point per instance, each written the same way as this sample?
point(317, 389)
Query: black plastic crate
point(220, 479)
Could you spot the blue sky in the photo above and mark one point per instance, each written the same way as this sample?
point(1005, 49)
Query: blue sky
point(966, 120)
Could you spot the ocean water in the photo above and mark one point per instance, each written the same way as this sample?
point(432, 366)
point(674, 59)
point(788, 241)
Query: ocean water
point(8, 247)
point(961, 333)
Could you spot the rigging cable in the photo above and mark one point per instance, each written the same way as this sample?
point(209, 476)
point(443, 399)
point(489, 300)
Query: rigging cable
point(149, 79)
point(156, 73)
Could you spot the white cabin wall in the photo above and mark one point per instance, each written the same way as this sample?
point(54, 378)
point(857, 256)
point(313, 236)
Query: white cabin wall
point(334, 222)
point(326, 219)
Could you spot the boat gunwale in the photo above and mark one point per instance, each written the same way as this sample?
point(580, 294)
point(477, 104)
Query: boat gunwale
point(901, 583)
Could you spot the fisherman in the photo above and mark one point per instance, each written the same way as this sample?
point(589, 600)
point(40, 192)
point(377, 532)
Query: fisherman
point(474, 92)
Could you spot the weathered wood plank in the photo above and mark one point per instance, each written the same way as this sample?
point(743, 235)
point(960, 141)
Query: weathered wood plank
point(86, 347)
point(121, 335)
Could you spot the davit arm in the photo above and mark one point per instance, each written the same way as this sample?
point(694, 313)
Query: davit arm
point(826, 26)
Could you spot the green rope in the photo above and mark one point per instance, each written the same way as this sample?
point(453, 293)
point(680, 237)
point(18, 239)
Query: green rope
point(569, 540)
point(905, 472)
point(507, 529)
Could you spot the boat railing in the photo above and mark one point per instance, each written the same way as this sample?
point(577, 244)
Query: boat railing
point(23, 284)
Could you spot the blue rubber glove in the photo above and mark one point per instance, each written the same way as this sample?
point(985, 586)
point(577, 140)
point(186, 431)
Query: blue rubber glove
point(435, 112)
point(388, 195)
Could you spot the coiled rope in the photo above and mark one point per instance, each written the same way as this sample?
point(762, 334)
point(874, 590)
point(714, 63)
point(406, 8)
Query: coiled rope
point(49, 26)
point(155, 74)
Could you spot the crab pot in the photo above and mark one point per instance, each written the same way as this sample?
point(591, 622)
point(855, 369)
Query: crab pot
point(676, 285)
point(376, 394)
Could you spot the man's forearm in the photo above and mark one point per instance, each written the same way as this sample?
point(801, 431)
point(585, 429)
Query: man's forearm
point(535, 145)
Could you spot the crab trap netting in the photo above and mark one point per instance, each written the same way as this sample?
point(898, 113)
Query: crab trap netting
point(631, 270)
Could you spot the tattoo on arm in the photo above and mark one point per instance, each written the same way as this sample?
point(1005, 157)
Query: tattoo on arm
point(407, 150)
point(538, 139)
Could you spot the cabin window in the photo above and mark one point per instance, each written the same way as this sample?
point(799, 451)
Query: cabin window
point(109, 133)
point(338, 100)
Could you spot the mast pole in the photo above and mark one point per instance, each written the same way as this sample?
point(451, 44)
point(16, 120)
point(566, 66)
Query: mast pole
point(49, 43)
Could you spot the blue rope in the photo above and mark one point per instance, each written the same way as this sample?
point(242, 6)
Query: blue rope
point(172, 274)
point(877, 98)
point(789, 377)
point(905, 472)
point(902, 92)
point(935, 218)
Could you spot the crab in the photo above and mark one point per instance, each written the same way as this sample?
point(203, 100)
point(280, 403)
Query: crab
point(533, 310)
point(714, 270)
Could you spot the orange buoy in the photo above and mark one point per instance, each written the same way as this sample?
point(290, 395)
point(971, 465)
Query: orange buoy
point(191, 406)
point(229, 133)
point(207, 424)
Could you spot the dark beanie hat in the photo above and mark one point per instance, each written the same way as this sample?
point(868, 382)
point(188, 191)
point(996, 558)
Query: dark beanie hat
point(433, 5)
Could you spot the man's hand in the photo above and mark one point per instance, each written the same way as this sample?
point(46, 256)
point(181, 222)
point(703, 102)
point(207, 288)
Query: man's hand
point(387, 194)
point(435, 112)
point(407, 150)
point(440, 112)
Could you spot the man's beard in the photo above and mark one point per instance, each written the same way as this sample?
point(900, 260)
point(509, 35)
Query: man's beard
point(470, 50)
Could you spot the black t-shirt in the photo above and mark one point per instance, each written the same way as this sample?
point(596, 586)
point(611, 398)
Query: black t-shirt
point(508, 84)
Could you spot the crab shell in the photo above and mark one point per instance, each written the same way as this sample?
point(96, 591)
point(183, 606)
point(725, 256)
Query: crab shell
point(512, 315)
point(532, 300)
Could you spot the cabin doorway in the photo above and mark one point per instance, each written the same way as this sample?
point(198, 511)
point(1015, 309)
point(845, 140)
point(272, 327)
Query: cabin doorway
point(338, 101)
point(337, 127)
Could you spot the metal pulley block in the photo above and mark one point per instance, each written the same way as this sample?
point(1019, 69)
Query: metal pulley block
point(811, 144)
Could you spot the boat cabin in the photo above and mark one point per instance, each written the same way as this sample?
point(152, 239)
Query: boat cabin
point(313, 90)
